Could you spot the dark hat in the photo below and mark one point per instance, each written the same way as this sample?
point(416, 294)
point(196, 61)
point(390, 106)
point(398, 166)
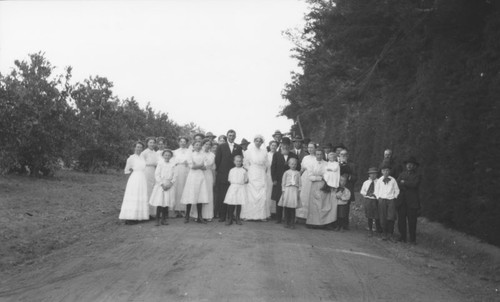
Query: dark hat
point(328, 145)
point(412, 160)
point(244, 142)
point(372, 170)
point(210, 134)
point(199, 134)
point(385, 166)
point(297, 138)
point(286, 141)
point(340, 146)
point(277, 132)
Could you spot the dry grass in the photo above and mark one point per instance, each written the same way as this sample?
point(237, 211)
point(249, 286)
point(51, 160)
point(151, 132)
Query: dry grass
point(41, 215)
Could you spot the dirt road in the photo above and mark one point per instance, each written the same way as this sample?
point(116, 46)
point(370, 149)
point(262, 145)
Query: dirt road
point(259, 261)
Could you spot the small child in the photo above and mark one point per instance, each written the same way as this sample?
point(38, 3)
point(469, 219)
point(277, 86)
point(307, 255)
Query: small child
point(371, 202)
point(342, 194)
point(237, 193)
point(387, 191)
point(290, 199)
point(332, 173)
point(163, 194)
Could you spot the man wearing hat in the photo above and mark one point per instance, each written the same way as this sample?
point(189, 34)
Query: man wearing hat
point(210, 135)
point(408, 204)
point(277, 136)
point(327, 148)
point(244, 144)
point(298, 150)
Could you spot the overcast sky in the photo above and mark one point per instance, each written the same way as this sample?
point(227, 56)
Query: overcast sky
point(218, 63)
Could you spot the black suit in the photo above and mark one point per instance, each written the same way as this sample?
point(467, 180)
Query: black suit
point(224, 162)
point(278, 168)
point(301, 155)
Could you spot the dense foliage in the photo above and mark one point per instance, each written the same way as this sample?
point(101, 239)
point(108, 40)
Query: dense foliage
point(47, 122)
point(419, 77)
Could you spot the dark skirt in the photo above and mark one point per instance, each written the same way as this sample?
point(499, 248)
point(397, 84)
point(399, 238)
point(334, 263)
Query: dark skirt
point(342, 210)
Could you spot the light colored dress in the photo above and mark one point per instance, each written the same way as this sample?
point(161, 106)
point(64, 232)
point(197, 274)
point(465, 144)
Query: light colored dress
point(151, 158)
point(207, 211)
point(195, 190)
point(322, 207)
point(181, 158)
point(255, 161)
point(135, 201)
point(332, 177)
point(237, 192)
point(306, 164)
point(269, 185)
point(164, 174)
point(290, 186)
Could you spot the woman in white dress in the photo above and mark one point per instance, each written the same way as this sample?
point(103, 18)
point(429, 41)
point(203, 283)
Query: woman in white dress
point(273, 146)
point(161, 144)
point(305, 170)
point(181, 157)
point(255, 161)
point(135, 201)
point(207, 210)
point(196, 189)
point(151, 158)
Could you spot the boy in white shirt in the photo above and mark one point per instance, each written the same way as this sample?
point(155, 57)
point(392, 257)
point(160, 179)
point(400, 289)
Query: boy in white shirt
point(387, 191)
point(371, 202)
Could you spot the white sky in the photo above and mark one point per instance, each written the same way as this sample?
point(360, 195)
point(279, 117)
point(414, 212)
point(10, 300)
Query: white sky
point(218, 63)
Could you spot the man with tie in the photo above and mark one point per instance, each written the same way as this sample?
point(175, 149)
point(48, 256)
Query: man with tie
point(277, 136)
point(327, 148)
point(298, 149)
point(224, 161)
point(348, 169)
point(371, 202)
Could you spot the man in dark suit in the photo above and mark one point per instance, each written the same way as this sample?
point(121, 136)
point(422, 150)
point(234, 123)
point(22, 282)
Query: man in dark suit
point(390, 161)
point(327, 148)
point(224, 161)
point(279, 165)
point(298, 149)
point(348, 169)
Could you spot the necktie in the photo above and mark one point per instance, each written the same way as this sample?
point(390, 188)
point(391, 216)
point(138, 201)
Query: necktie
point(386, 180)
point(371, 189)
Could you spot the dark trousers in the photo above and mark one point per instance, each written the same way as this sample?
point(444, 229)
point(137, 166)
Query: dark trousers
point(289, 216)
point(279, 212)
point(220, 207)
point(407, 214)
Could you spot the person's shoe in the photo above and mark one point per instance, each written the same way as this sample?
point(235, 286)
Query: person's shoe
point(201, 220)
point(238, 221)
point(229, 222)
point(222, 219)
point(186, 220)
point(157, 222)
point(286, 226)
point(178, 215)
point(278, 221)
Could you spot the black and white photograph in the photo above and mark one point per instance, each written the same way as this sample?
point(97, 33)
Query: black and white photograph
point(249, 150)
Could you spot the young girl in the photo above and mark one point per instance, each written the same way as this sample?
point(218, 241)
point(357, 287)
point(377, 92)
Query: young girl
point(342, 195)
point(290, 199)
point(332, 174)
point(237, 192)
point(195, 190)
point(135, 201)
point(163, 195)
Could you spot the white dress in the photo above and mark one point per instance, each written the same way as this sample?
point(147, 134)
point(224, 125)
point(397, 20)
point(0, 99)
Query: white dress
point(306, 164)
point(237, 192)
point(135, 201)
point(164, 174)
point(269, 185)
point(255, 161)
point(181, 158)
point(151, 158)
point(332, 177)
point(207, 211)
point(195, 190)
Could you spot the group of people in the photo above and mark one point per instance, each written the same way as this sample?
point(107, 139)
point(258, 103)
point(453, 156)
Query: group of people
point(295, 179)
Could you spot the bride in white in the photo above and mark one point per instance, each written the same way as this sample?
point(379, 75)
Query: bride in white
point(255, 162)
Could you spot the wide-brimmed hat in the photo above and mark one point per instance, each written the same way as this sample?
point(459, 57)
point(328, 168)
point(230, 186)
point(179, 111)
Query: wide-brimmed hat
point(199, 134)
point(385, 166)
point(244, 142)
point(210, 134)
point(340, 146)
point(297, 138)
point(277, 132)
point(286, 141)
point(372, 170)
point(412, 160)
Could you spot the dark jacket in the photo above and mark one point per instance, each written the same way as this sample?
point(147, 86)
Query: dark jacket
point(278, 168)
point(395, 167)
point(301, 155)
point(224, 161)
point(349, 169)
point(409, 189)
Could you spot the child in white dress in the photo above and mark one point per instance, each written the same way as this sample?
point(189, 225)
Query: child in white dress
point(237, 193)
point(290, 199)
point(163, 195)
point(332, 173)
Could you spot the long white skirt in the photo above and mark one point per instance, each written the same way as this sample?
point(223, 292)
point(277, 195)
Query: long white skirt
point(195, 190)
point(255, 207)
point(305, 195)
point(180, 183)
point(207, 211)
point(271, 205)
point(135, 200)
point(150, 180)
